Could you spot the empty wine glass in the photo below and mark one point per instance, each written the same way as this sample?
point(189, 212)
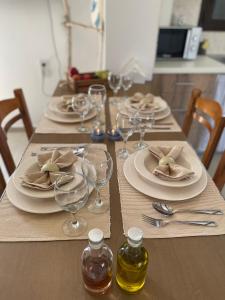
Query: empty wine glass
point(126, 82)
point(114, 81)
point(97, 96)
point(97, 167)
point(125, 126)
point(82, 105)
point(72, 197)
point(144, 122)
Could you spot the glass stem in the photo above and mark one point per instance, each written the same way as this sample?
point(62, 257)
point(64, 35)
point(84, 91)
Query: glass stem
point(98, 200)
point(75, 223)
point(115, 100)
point(142, 134)
point(124, 145)
point(82, 122)
point(125, 94)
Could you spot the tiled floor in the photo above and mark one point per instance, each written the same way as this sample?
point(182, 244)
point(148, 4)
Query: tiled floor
point(18, 141)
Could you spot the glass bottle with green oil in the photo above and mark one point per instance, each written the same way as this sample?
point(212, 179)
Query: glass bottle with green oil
point(132, 262)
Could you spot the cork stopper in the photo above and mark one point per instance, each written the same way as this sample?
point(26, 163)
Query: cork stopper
point(135, 236)
point(95, 237)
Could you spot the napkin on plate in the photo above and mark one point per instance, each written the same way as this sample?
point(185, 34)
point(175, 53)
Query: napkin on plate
point(67, 104)
point(143, 102)
point(48, 168)
point(167, 168)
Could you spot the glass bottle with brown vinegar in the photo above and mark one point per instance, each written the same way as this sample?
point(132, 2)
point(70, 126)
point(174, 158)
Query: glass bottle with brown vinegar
point(97, 261)
point(132, 262)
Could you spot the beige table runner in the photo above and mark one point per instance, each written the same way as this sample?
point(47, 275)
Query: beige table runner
point(17, 225)
point(134, 204)
point(173, 127)
point(46, 125)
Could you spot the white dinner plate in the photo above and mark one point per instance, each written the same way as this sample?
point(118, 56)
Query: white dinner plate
point(30, 204)
point(161, 192)
point(23, 167)
point(145, 163)
point(162, 105)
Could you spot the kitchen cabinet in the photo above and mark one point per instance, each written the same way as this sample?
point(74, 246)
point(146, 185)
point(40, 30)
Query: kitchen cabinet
point(176, 88)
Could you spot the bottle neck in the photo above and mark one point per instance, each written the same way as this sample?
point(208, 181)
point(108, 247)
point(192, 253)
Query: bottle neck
point(134, 244)
point(96, 246)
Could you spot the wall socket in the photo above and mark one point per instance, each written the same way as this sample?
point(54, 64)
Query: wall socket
point(44, 64)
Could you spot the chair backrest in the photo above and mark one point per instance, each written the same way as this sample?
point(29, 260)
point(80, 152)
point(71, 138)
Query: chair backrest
point(2, 183)
point(6, 107)
point(198, 107)
point(9, 105)
point(219, 177)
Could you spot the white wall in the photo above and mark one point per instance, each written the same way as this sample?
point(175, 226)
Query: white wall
point(131, 31)
point(166, 13)
point(25, 39)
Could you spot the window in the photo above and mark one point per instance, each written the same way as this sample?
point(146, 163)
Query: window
point(212, 16)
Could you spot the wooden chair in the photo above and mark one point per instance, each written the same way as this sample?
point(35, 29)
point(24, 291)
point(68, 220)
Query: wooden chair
point(2, 183)
point(6, 107)
point(219, 177)
point(212, 108)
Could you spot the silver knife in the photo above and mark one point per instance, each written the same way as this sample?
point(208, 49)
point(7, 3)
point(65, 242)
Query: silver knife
point(51, 148)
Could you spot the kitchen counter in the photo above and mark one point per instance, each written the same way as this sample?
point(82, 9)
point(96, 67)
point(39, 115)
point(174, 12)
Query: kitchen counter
point(202, 65)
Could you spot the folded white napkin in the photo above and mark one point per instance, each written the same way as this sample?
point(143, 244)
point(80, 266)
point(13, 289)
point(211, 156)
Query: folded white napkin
point(143, 102)
point(67, 104)
point(167, 168)
point(50, 166)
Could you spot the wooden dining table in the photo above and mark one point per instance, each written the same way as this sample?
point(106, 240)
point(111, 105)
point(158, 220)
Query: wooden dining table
point(179, 268)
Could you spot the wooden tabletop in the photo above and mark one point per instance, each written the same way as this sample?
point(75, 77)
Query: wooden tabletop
point(179, 268)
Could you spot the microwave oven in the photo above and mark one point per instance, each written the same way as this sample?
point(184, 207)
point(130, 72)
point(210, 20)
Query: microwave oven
point(179, 42)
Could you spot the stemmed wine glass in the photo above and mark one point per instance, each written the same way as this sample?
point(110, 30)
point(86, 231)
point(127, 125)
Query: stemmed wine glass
point(97, 166)
point(125, 126)
point(97, 96)
point(143, 121)
point(126, 82)
point(114, 81)
point(81, 105)
point(72, 197)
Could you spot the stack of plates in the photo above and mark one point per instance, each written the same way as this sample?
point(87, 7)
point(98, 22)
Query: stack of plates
point(138, 172)
point(161, 110)
point(55, 113)
point(31, 200)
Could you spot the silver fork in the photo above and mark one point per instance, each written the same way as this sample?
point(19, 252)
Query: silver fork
point(161, 223)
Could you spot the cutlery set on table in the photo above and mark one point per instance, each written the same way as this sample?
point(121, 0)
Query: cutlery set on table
point(170, 181)
point(161, 172)
point(63, 110)
point(148, 105)
point(167, 211)
point(31, 187)
point(77, 113)
point(53, 182)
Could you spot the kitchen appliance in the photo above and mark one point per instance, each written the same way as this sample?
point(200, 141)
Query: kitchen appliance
point(179, 42)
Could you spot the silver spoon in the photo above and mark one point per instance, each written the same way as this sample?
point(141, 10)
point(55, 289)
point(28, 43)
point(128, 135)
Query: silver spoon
point(169, 211)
